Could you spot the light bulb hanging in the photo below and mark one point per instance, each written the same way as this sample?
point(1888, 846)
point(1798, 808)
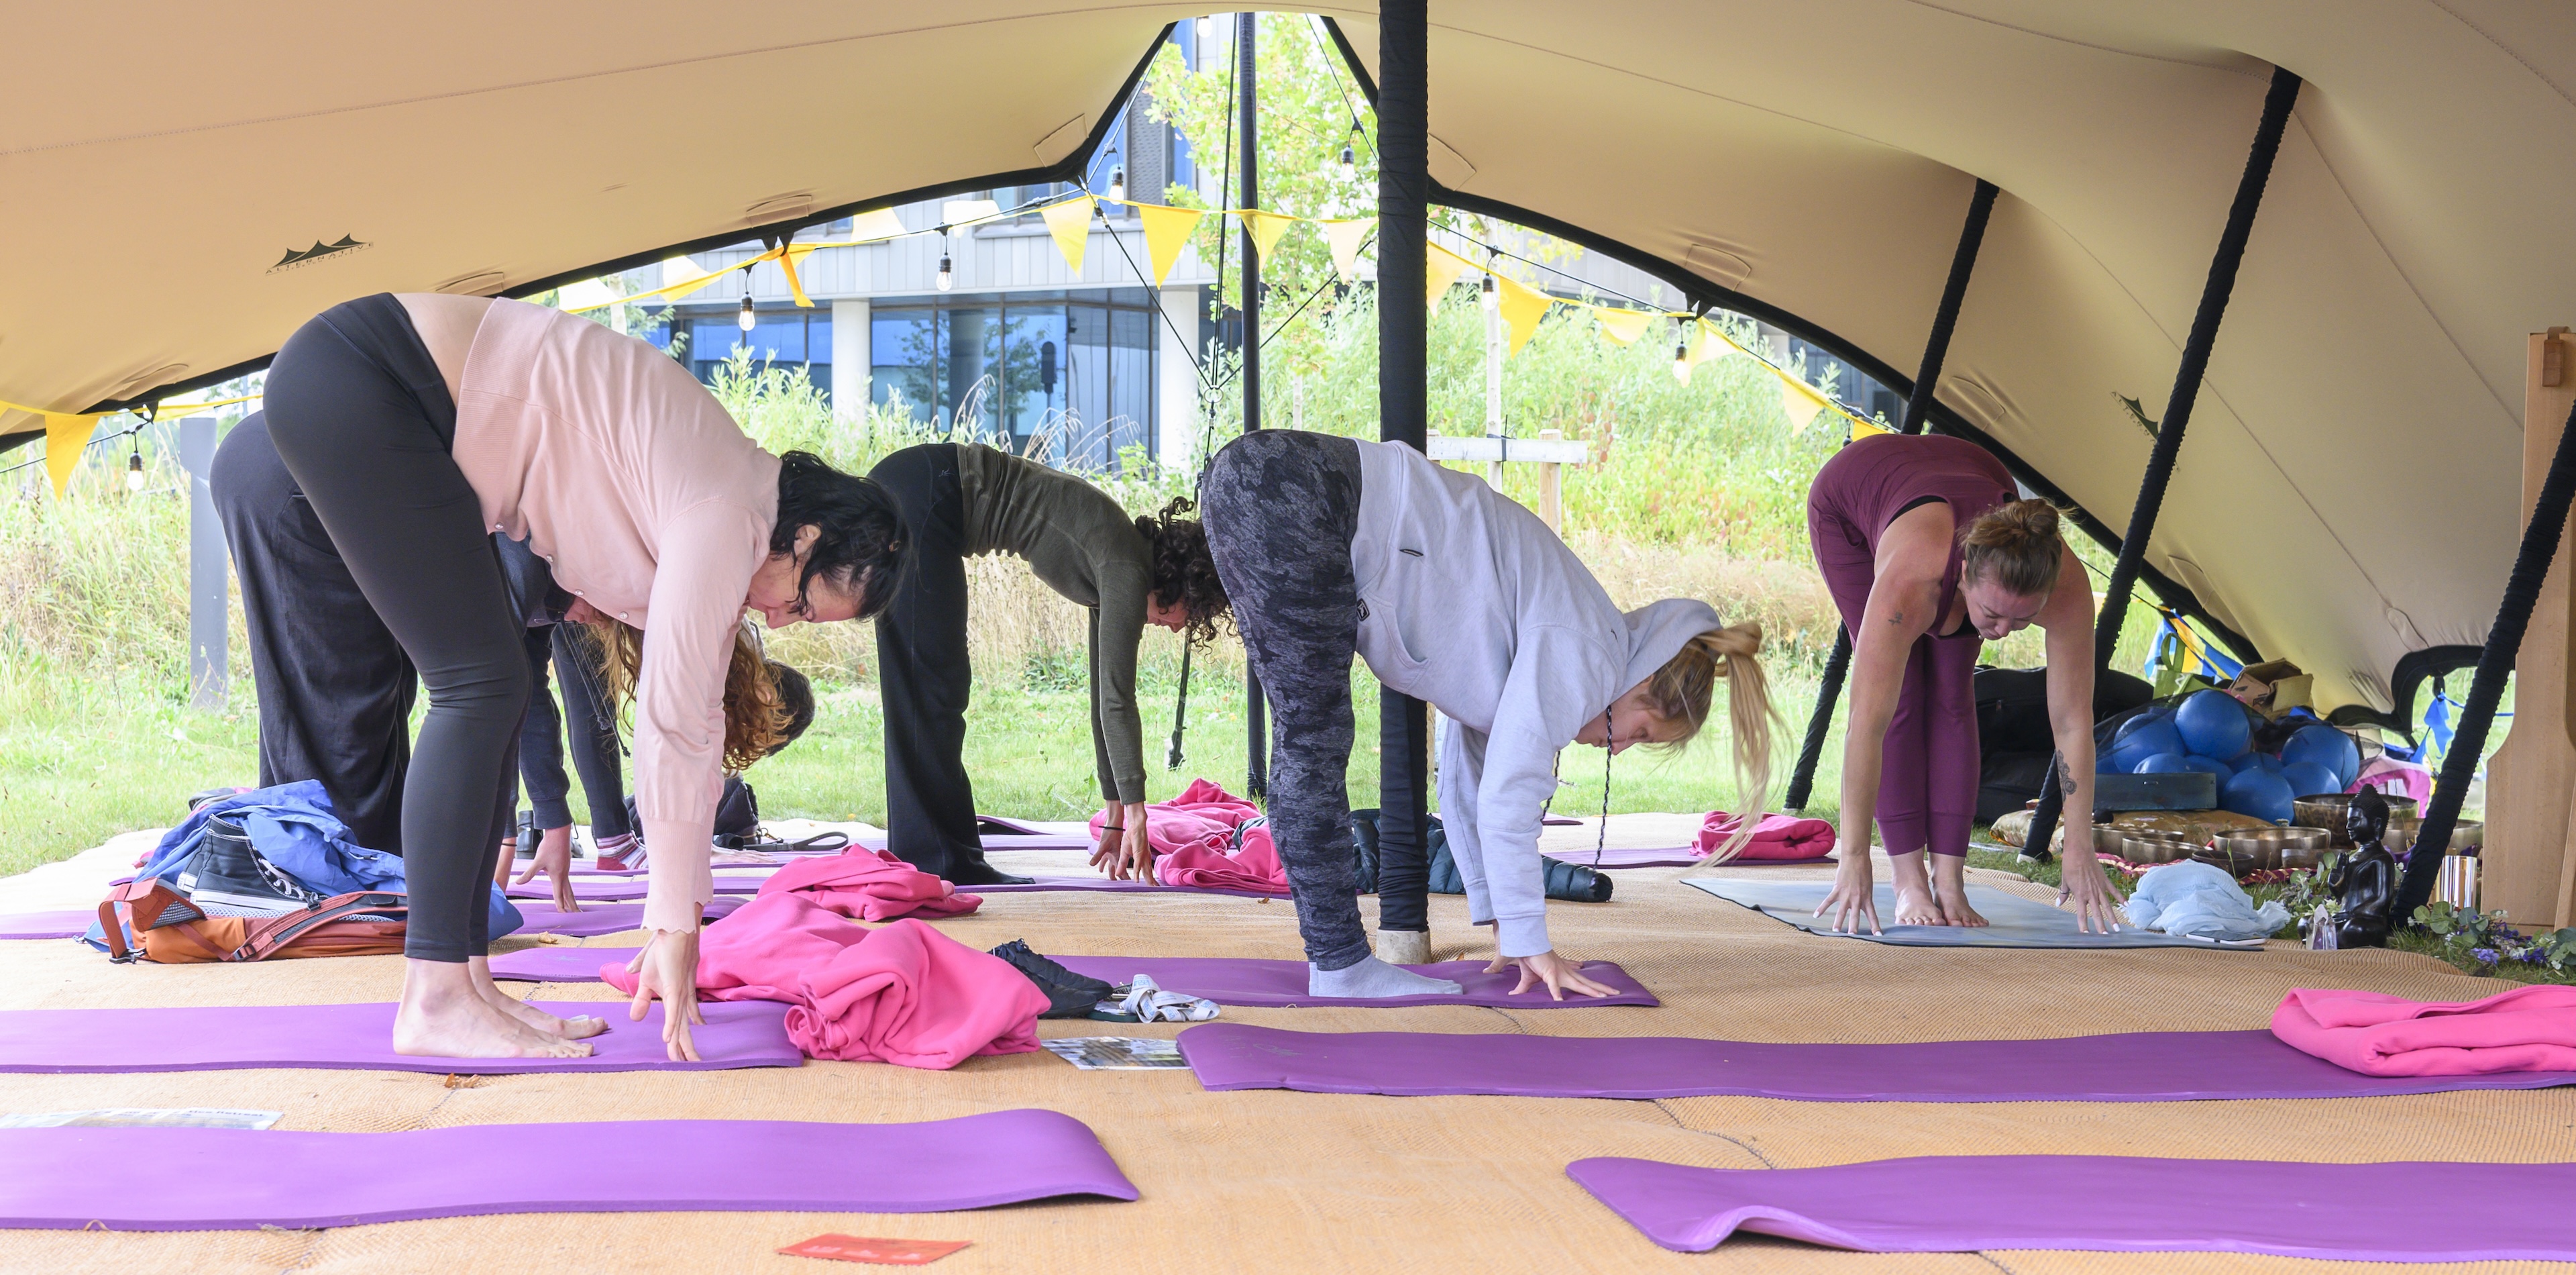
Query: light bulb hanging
point(1350, 158)
point(744, 317)
point(134, 469)
point(947, 277)
point(1488, 294)
point(1118, 185)
point(1681, 354)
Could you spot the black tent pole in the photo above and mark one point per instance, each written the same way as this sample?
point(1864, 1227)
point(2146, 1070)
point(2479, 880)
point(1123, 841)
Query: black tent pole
point(2186, 389)
point(1404, 198)
point(1256, 729)
point(1918, 407)
point(2495, 664)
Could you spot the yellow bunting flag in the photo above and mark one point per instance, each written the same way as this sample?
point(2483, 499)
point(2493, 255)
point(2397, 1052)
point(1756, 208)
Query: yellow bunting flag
point(1522, 306)
point(1801, 401)
point(1441, 269)
point(1167, 231)
point(1344, 238)
point(1861, 429)
point(65, 436)
point(1070, 223)
point(878, 224)
point(1622, 326)
point(787, 256)
point(1265, 229)
point(1712, 346)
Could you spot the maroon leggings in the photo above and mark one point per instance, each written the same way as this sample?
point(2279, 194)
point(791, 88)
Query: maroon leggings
point(1928, 768)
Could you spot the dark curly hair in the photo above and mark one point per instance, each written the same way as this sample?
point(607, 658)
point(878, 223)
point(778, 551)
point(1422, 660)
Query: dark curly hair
point(1183, 571)
point(861, 543)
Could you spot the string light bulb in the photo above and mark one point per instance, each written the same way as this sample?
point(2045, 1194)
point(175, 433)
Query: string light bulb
point(1350, 164)
point(1490, 295)
point(1681, 354)
point(743, 318)
point(1117, 179)
point(947, 277)
point(134, 469)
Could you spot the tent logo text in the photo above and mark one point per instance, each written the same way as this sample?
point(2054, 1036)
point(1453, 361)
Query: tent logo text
point(298, 258)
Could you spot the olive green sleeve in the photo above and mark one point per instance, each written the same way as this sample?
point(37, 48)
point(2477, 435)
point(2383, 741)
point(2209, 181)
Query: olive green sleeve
point(1117, 724)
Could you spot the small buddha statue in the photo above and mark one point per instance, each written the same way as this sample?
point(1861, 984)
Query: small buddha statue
point(2365, 880)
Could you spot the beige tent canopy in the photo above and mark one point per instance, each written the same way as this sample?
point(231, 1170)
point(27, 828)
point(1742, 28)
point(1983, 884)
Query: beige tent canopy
point(2346, 494)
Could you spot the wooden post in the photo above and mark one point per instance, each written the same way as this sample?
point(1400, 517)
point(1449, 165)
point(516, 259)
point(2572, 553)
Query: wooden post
point(1551, 486)
point(2531, 780)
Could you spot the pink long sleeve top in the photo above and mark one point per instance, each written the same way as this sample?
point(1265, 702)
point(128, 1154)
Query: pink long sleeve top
point(641, 492)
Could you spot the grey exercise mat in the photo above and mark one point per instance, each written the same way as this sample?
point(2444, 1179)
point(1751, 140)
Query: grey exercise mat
point(2012, 921)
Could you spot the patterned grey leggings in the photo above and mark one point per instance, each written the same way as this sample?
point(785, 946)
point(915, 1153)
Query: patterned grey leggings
point(1280, 508)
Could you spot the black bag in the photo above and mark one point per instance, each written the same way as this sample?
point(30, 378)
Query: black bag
point(737, 816)
point(1571, 882)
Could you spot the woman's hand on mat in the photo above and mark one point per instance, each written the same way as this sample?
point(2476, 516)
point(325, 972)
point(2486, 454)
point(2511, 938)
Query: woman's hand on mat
point(668, 968)
point(554, 858)
point(1123, 852)
point(2097, 903)
point(1556, 973)
point(1854, 897)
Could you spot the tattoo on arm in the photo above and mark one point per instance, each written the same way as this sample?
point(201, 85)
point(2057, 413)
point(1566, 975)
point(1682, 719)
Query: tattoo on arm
point(1897, 619)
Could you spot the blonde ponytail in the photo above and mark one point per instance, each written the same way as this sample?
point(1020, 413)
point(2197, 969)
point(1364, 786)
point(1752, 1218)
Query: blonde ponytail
point(1684, 690)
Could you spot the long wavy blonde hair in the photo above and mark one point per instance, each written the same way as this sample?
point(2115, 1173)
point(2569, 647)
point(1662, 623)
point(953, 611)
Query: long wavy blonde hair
point(1685, 689)
point(757, 717)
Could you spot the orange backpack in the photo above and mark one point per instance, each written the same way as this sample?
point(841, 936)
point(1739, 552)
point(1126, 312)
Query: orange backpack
point(169, 929)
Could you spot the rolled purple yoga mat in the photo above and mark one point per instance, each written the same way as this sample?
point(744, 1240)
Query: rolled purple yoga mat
point(2136, 1067)
point(180, 1179)
point(1225, 980)
point(1107, 886)
point(606, 918)
point(360, 1038)
point(1963, 1204)
point(606, 888)
point(47, 925)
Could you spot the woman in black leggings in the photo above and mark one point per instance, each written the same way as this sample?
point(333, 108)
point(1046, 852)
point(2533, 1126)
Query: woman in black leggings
point(420, 426)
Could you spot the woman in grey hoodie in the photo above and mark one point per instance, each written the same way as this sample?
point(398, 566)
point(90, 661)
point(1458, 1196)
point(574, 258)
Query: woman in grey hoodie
point(1331, 547)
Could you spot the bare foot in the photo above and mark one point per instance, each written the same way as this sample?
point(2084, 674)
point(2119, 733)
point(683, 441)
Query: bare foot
point(1915, 907)
point(580, 1027)
point(442, 1016)
point(1954, 906)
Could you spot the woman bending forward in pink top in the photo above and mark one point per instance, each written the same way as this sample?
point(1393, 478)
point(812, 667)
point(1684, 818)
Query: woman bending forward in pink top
point(419, 426)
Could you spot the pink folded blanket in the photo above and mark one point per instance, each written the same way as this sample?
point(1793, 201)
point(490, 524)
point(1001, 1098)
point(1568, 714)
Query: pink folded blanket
point(904, 994)
point(1253, 866)
point(1204, 817)
point(1776, 837)
point(869, 885)
point(2526, 1029)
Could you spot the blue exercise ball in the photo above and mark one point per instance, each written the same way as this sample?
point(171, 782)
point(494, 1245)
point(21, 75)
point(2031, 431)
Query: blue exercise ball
point(2146, 736)
point(2265, 760)
point(2164, 764)
point(2325, 746)
point(2213, 724)
point(2210, 765)
point(2308, 779)
point(2240, 764)
point(2259, 793)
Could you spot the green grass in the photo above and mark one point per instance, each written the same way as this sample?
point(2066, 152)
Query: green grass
point(81, 761)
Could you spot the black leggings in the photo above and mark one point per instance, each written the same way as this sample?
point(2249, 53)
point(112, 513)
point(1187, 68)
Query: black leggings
point(362, 417)
point(924, 679)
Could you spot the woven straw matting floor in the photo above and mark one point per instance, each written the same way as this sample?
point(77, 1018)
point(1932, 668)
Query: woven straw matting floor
point(1278, 1181)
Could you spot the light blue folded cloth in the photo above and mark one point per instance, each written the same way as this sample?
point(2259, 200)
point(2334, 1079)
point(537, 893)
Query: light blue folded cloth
point(2202, 901)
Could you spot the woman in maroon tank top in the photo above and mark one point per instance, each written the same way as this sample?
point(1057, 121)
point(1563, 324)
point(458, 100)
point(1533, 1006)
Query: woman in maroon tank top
point(1929, 555)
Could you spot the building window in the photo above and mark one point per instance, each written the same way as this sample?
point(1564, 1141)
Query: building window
point(783, 338)
point(1067, 380)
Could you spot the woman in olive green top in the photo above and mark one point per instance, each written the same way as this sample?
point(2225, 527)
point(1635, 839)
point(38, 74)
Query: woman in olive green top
point(959, 500)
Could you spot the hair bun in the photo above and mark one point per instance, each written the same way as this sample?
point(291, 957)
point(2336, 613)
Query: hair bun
point(2014, 523)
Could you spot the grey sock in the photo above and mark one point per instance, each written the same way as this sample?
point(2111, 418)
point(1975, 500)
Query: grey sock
point(1375, 978)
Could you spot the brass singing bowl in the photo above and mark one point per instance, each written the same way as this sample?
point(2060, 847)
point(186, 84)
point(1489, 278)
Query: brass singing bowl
point(2150, 848)
point(2274, 847)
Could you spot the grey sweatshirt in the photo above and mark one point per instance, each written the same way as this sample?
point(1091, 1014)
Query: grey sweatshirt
point(1469, 602)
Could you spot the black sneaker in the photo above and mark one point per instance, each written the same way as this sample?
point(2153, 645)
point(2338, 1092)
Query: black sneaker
point(227, 876)
point(965, 873)
point(1069, 995)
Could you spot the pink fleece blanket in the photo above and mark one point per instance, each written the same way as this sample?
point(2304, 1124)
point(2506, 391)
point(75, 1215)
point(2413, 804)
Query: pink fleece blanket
point(1776, 837)
point(904, 994)
point(1253, 866)
point(869, 885)
point(2526, 1029)
point(1204, 816)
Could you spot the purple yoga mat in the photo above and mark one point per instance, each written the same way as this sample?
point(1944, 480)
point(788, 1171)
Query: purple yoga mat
point(1675, 857)
point(196, 1179)
point(360, 1038)
point(47, 925)
point(1965, 1204)
point(605, 918)
point(2137, 1067)
point(1225, 980)
point(605, 888)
